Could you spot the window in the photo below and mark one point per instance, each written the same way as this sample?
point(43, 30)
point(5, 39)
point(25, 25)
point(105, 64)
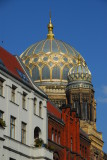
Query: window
point(24, 100)
point(56, 156)
point(83, 151)
point(45, 73)
point(12, 127)
point(59, 138)
point(1, 115)
point(13, 93)
point(40, 109)
point(56, 136)
point(86, 153)
point(23, 133)
point(34, 103)
point(71, 144)
point(52, 134)
point(84, 111)
point(80, 149)
point(36, 132)
point(11, 159)
point(96, 157)
point(77, 106)
point(35, 73)
point(56, 73)
point(1, 87)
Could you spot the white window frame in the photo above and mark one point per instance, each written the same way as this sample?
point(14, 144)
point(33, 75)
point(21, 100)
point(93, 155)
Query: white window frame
point(12, 127)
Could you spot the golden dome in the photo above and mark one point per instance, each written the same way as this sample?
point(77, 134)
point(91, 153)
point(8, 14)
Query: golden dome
point(50, 60)
point(79, 72)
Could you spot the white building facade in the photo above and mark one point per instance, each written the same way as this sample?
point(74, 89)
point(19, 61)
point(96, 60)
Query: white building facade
point(23, 108)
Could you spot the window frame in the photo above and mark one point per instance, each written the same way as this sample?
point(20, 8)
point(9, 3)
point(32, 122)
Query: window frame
point(23, 132)
point(52, 134)
point(40, 109)
point(35, 105)
point(12, 127)
point(13, 93)
point(1, 113)
point(56, 136)
point(59, 138)
point(1, 86)
point(24, 95)
point(71, 144)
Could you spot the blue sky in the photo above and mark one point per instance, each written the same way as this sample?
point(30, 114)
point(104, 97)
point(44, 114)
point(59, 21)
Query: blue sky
point(81, 23)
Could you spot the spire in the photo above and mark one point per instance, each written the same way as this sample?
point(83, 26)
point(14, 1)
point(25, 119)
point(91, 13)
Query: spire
point(50, 34)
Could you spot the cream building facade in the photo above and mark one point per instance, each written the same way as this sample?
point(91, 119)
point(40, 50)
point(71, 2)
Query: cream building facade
point(23, 108)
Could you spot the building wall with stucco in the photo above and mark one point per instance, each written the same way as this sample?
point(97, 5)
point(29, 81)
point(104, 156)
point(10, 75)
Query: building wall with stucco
point(11, 144)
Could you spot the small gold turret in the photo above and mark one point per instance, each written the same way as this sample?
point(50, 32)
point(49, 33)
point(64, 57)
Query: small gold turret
point(50, 34)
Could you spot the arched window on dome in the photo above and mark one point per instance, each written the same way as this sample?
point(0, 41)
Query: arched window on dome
point(45, 72)
point(65, 73)
point(56, 73)
point(35, 74)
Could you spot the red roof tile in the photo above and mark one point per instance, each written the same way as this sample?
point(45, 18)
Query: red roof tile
point(10, 62)
point(53, 110)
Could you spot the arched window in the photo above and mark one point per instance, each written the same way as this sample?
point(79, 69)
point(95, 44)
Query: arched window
point(35, 73)
point(40, 109)
point(34, 105)
point(45, 73)
point(65, 73)
point(52, 134)
point(36, 132)
point(56, 73)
